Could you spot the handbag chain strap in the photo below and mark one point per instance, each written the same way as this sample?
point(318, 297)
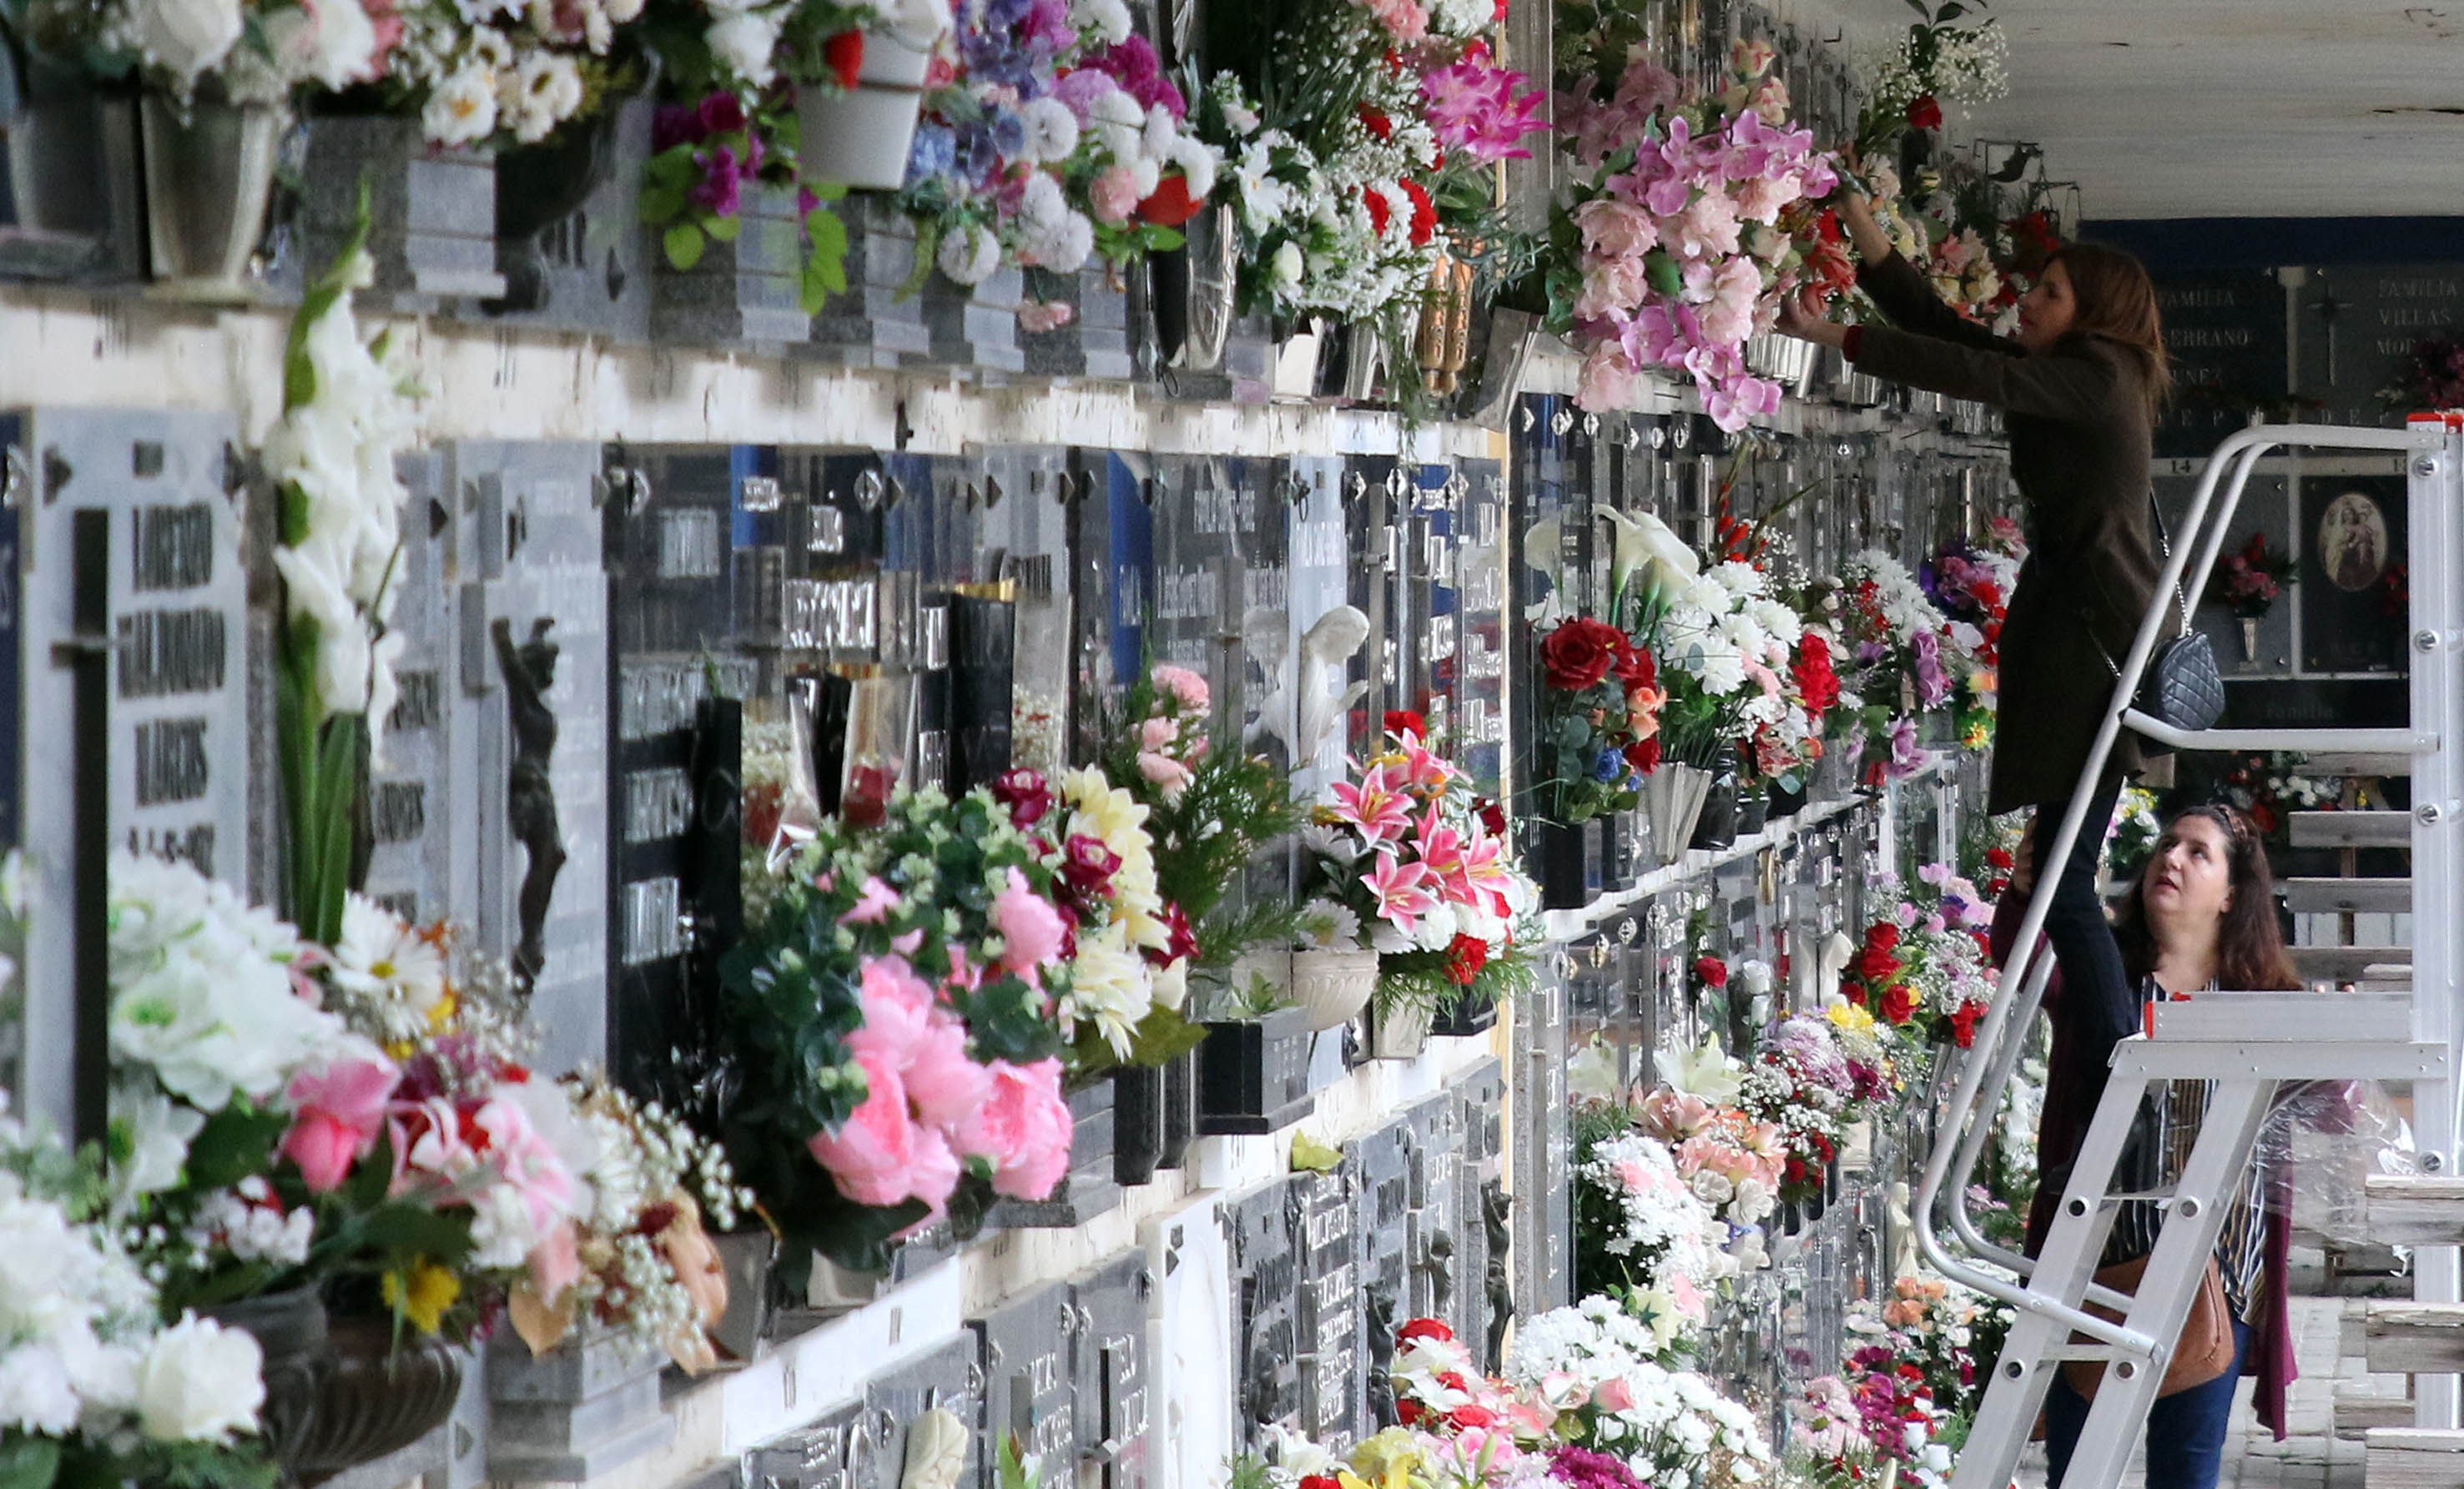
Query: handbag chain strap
point(2164, 547)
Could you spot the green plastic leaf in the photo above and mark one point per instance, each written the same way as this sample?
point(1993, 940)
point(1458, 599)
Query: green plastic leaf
point(1665, 276)
point(683, 244)
point(1311, 1156)
point(1163, 240)
point(28, 1463)
point(662, 205)
point(234, 1143)
point(726, 229)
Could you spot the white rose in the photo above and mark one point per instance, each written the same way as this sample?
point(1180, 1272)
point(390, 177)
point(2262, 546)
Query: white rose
point(185, 37)
point(1754, 1200)
point(200, 1383)
point(334, 46)
point(463, 108)
point(35, 1391)
point(1288, 264)
point(743, 43)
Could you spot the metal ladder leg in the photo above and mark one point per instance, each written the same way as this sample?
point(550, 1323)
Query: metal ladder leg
point(2192, 1223)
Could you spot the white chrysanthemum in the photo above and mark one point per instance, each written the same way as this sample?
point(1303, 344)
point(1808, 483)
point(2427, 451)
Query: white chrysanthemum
point(1327, 925)
point(1110, 987)
point(390, 977)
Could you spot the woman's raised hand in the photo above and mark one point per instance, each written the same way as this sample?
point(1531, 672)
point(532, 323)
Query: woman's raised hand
point(1802, 315)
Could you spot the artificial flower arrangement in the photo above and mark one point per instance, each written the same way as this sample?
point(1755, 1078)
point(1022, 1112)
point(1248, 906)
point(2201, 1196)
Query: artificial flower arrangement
point(901, 1008)
point(2130, 836)
point(1970, 583)
point(1055, 140)
point(1673, 250)
point(1813, 1077)
point(1728, 1159)
point(1404, 863)
point(1599, 719)
point(96, 1387)
point(1128, 947)
point(347, 413)
point(1647, 1238)
point(1896, 642)
point(1903, 1398)
point(1949, 54)
point(1730, 650)
point(1924, 967)
point(2431, 378)
point(1372, 155)
point(2250, 578)
point(1209, 814)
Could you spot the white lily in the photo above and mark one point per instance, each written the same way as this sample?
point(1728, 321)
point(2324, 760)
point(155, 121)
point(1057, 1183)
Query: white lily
point(1706, 1072)
point(1648, 547)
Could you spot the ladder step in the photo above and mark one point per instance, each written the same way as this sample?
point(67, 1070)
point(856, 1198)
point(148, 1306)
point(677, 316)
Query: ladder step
point(2357, 896)
point(2357, 1410)
point(2413, 1457)
point(2413, 1338)
point(2351, 829)
point(2414, 1209)
point(2300, 1017)
point(2354, 762)
point(2350, 963)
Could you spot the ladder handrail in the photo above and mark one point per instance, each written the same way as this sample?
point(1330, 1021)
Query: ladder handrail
point(2241, 450)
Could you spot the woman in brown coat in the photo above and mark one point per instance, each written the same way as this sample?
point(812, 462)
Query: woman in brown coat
point(2078, 387)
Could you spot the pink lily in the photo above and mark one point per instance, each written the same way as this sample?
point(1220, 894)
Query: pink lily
point(1443, 856)
point(1373, 806)
point(1401, 899)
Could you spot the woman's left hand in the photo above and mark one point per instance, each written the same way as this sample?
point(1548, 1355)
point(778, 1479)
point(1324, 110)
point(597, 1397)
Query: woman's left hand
point(1801, 315)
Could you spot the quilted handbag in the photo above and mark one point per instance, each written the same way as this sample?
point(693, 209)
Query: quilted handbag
point(2183, 687)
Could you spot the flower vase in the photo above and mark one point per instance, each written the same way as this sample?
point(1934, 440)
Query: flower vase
point(1473, 1013)
point(1672, 801)
point(1191, 293)
point(860, 136)
point(1355, 374)
point(1569, 859)
point(1715, 827)
point(2249, 640)
point(1753, 809)
point(1137, 1124)
point(71, 207)
point(209, 178)
point(752, 1260)
point(1331, 988)
point(339, 1394)
point(1294, 367)
point(1253, 1073)
point(1399, 1031)
point(543, 189)
point(1784, 802)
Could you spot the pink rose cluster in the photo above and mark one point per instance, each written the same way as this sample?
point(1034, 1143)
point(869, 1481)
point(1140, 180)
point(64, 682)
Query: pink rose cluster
point(468, 1134)
point(1172, 739)
point(930, 1107)
point(1682, 257)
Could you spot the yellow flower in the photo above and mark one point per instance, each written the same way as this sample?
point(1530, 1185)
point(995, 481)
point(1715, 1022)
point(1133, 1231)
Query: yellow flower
point(1850, 1019)
point(441, 1017)
point(433, 1290)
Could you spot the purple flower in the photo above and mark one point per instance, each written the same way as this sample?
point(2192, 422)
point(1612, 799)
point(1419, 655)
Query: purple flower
point(805, 201)
point(1047, 26)
point(1476, 112)
point(1580, 1468)
point(719, 191)
point(674, 125)
point(1133, 65)
point(1080, 90)
point(1906, 757)
point(935, 153)
point(1933, 685)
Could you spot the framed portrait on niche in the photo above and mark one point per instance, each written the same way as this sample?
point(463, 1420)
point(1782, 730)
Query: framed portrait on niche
point(2352, 573)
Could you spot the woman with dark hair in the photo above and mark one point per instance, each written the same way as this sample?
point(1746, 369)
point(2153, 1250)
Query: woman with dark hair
point(2078, 387)
point(2201, 915)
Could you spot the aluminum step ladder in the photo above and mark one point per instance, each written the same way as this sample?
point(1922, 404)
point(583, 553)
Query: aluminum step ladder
point(2249, 1044)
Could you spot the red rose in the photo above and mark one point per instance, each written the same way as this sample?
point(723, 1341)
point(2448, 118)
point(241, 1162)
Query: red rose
point(1877, 967)
point(1407, 1410)
point(1182, 940)
point(1465, 1418)
point(2000, 858)
point(1027, 796)
point(1963, 1024)
point(1638, 668)
point(1883, 936)
point(1424, 213)
point(1379, 214)
point(1321, 1482)
point(1087, 868)
point(1643, 755)
point(1466, 957)
point(1579, 652)
point(1403, 721)
point(1899, 1002)
point(1380, 128)
point(844, 55)
point(1170, 204)
point(1711, 971)
point(1492, 816)
point(1424, 1328)
point(1925, 112)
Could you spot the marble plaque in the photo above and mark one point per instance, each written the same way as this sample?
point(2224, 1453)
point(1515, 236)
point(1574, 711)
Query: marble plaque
point(1115, 1433)
point(1331, 1315)
point(1428, 519)
point(1264, 1260)
point(1309, 698)
point(410, 855)
point(1381, 1161)
point(1375, 498)
point(134, 518)
point(1435, 1255)
point(1541, 1152)
point(950, 1377)
point(1112, 583)
point(1485, 1294)
point(1025, 541)
point(1029, 1352)
point(1478, 521)
point(1195, 1314)
point(531, 552)
point(823, 1456)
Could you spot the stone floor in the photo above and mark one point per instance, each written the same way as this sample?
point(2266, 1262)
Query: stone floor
point(2309, 1458)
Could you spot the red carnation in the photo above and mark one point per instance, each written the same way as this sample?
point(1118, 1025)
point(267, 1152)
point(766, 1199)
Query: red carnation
point(1466, 957)
point(1424, 213)
point(1407, 1410)
point(1711, 971)
point(1170, 204)
point(1878, 967)
point(1899, 1002)
point(1380, 128)
point(2000, 858)
point(1424, 1328)
point(844, 55)
point(1643, 755)
point(1492, 816)
point(1925, 112)
point(1404, 721)
point(1379, 214)
point(1579, 652)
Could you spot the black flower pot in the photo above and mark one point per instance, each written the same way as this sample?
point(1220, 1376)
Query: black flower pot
point(1473, 1013)
point(1717, 827)
point(1253, 1074)
point(1753, 810)
point(339, 1394)
point(1137, 1123)
point(1565, 859)
point(1784, 803)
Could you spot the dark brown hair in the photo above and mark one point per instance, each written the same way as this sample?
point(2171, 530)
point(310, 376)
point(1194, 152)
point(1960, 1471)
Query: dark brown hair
point(2249, 944)
point(2117, 304)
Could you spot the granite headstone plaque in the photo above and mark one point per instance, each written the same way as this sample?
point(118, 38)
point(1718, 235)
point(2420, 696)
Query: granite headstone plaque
point(1433, 1254)
point(124, 578)
point(2352, 534)
point(1381, 1160)
point(1478, 519)
point(1029, 1351)
point(1542, 1149)
point(949, 1377)
point(1428, 512)
point(410, 853)
point(823, 1456)
point(1024, 550)
point(1331, 1315)
point(1194, 1423)
point(2355, 328)
point(1111, 545)
point(588, 270)
point(1264, 1262)
point(530, 737)
point(1482, 1236)
point(1116, 1435)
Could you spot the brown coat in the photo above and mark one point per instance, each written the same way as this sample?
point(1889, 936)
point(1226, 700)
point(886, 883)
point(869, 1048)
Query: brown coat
point(2078, 420)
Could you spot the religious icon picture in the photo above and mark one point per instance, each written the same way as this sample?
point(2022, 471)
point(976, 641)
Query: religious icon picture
point(2353, 546)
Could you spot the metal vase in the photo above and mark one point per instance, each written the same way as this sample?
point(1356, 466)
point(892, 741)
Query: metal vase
point(1672, 802)
point(339, 1394)
point(209, 176)
point(2249, 640)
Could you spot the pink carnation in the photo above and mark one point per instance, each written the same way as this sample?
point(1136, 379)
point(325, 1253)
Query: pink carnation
point(1616, 230)
point(1023, 1127)
point(1114, 194)
point(1030, 928)
point(1165, 771)
point(1403, 19)
point(1184, 686)
point(942, 1084)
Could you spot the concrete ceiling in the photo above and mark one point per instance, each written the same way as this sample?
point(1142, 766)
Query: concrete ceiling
point(2203, 108)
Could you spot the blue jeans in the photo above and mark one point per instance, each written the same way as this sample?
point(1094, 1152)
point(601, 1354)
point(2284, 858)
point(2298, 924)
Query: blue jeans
point(2185, 1430)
